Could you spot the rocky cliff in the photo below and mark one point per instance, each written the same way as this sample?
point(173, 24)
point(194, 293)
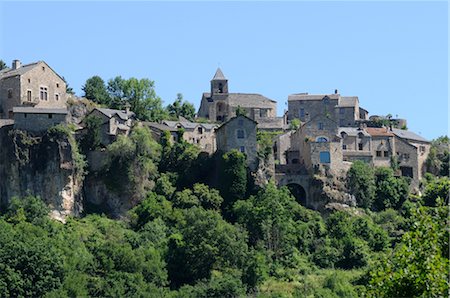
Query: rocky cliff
point(46, 166)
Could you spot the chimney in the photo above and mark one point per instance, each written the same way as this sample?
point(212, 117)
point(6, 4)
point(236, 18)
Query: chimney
point(16, 64)
point(335, 91)
point(127, 108)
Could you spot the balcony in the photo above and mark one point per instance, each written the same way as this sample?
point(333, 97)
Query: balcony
point(34, 101)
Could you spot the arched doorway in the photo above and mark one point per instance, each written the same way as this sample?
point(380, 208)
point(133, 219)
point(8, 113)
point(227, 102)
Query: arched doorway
point(298, 192)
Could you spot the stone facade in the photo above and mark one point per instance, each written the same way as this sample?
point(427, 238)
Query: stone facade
point(220, 105)
point(38, 119)
point(239, 133)
point(114, 122)
point(344, 110)
point(35, 84)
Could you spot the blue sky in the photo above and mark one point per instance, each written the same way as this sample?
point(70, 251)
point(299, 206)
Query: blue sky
point(392, 55)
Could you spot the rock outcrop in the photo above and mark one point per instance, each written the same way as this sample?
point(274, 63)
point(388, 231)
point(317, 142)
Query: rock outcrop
point(42, 166)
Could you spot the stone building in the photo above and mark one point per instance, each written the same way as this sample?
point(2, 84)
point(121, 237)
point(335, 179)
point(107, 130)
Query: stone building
point(344, 110)
point(114, 123)
point(239, 133)
point(35, 84)
point(219, 105)
point(38, 119)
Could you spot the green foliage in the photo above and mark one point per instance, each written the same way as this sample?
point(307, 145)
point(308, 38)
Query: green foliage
point(91, 140)
point(361, 183)
point(437, 162)
point(294, 124)
point(205, 242)
point(233, 177)
point(391, 191)
point(436, 192)
point(2, 65)
point(131, 166)
point(95, 90)
point(181, 108)
point(241, 111)
point(141, 96)
point(265, 142)
point(30, 209)
point(419, 265)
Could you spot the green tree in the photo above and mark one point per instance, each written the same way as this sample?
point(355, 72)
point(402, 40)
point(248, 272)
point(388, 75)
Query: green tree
point(419, 265)
point(361, 183)
point(181, 108)
point(437, 191)
point(391, 191)
point(141, 96)
point(437, 162)
point(3, 65)
point(69, 90)
point(91, 140)
point(294, 124)
point(95, 90)
point(241, 111)
point(31, 209)
point(233, 177)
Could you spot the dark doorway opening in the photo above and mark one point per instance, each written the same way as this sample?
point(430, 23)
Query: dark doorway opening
point(298, 192)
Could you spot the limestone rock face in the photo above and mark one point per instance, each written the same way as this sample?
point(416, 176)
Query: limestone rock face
point(39, 166)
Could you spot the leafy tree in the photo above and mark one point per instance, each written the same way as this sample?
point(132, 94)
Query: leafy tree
point(91, 140)
point(141, 96)
point(391, 191)
point(294, 124)
point(361, 183)
point(437, 161)
point(419, 265)
point(205, 242)
point(3, 65)
point(233, 177)
point(437, 191)
point(95, 90)
point(241, 111)
point(31, 209)
point(181, 108)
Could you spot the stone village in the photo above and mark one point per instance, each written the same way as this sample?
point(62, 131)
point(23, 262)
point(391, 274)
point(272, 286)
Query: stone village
point(332, 131)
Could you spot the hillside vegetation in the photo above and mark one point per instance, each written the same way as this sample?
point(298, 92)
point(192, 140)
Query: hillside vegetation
point(203, 229)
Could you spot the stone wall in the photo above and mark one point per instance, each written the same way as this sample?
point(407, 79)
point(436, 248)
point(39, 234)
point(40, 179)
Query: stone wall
point(7, 104)
point(37, 122)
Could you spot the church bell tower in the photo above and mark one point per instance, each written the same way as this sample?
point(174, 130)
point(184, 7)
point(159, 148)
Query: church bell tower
point(219, 84)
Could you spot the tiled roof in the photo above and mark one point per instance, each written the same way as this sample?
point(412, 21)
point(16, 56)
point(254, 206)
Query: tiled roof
point(246, 100)
point(352, 131)
point(189, 125)
point(408, 135)
point(160, 126)
point(9, 72)
point(234, 118)
point(348, 101)
point(379, 131)
point(111, 112)
point(219, 75)
point(306, 96)
point(31, 110)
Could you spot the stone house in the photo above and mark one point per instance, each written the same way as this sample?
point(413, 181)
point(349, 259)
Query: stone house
point(158, 129)
point(38, 119)
point(356, 144)
point(114, 123)
point(344, 110)
point(239, 133)
point(219, 105)
point(200, 134)
point(35, 84)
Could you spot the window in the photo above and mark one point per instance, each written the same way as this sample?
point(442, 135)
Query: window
point(406, 155)
point(378, 153)
point(200, 130)
point(25, 115)
point(360, 146)
point(50, 116)
point(43, 68)
point(320, 126)
point(29, 80)
point(386, 153)
point(321, 140)
point(240, 134)
point(56, 96)
point(344, 147)
point(302, 112)
point(341, 122)
point(9, 93)
point(422, 148)
point(29, 95)
point(240, 122)
point(57, 85)
point(242, 149)
point(324, 157)
point(341, 111)
point(43, 95)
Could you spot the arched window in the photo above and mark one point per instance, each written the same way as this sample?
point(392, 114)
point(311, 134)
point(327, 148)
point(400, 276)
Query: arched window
point(321, 140)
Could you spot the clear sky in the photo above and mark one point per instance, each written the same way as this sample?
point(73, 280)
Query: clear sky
point(392, 55)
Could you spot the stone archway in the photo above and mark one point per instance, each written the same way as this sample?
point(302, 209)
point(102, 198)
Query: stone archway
point(298, 192)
